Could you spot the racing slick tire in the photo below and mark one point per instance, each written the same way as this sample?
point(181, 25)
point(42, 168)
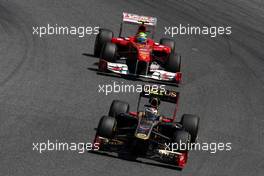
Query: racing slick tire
point(174, 63)
point(106, 127)
point(102, 37)
point(183, 139)
point(117, 107)
point(174, 60)
point(191, 124)
point(108, 52)
point(168, 42)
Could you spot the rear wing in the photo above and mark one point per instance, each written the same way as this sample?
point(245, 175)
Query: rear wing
point(170, 96)
point(138, 19)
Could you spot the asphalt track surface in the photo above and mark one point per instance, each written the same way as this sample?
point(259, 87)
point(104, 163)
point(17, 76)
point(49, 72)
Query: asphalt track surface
point(47, 90)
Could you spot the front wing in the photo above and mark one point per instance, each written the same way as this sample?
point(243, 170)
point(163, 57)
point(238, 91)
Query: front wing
point(122, 69)
point(122, 149)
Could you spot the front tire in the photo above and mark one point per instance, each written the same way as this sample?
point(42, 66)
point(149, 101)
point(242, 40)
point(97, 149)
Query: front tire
point(191, 124)
point(102, 37)
point(108, 52)
point(106, 127)
point(183, 139)
point(173, 63)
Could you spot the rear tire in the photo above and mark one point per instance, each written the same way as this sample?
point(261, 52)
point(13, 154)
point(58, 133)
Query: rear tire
point(108, 52)
point(191, 124)
point(106, 127)
point(102, 37)
point(117, 107)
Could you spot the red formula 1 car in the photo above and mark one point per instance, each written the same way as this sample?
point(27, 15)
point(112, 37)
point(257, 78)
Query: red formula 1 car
point(150, 132)
point(138, 55)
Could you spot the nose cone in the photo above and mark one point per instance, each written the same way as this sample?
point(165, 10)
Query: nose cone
point(144, 56)
point(141, 136)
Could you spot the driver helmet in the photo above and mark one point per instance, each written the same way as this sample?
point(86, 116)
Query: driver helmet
point(154, 102)
point(141, 37)
point(151, 113)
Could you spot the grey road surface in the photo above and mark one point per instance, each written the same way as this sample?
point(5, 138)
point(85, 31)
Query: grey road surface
point(49, 90)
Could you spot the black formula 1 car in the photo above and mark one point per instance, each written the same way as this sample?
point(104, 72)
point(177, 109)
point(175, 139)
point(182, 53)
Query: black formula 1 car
point(147, 133)
point(129, 56)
